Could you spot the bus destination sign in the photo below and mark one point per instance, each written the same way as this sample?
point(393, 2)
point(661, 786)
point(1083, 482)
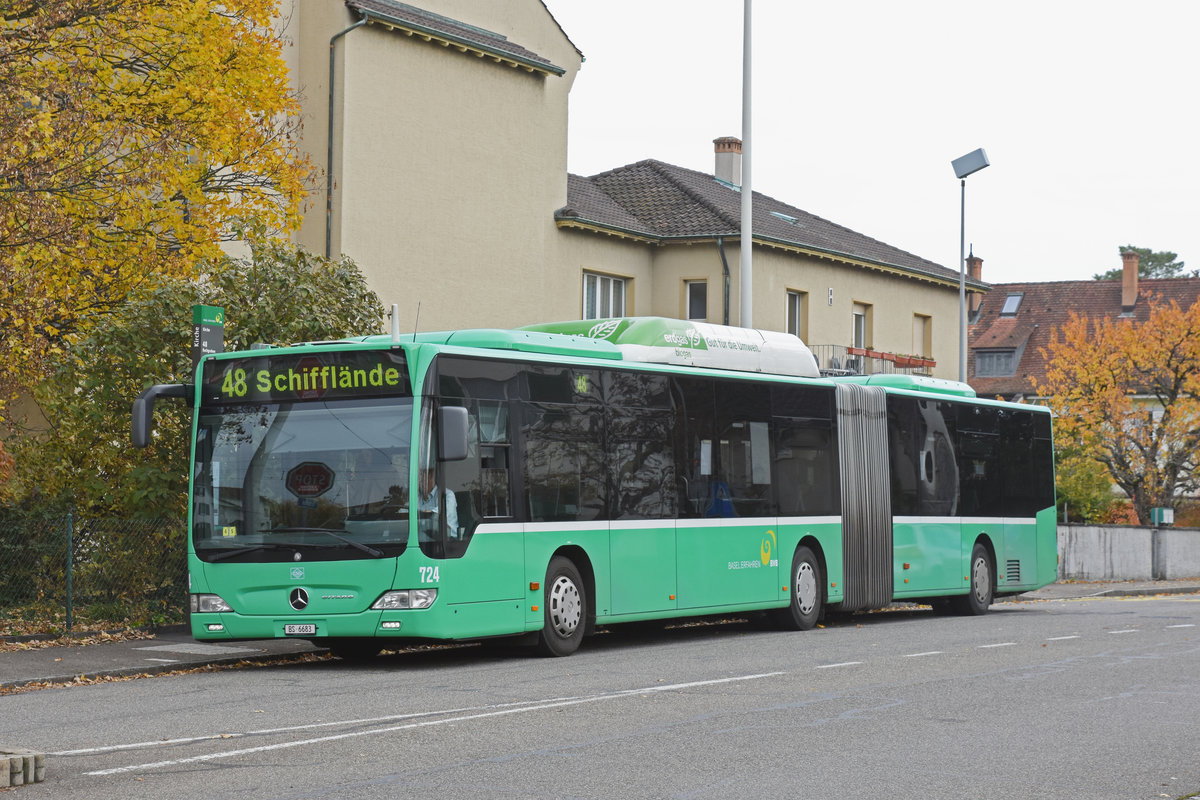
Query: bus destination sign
point(336, 375)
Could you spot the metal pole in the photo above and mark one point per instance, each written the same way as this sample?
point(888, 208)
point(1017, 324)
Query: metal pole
point(962, 285)
point(746, 274)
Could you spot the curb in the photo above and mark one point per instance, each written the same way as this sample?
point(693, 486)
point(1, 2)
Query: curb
point(160, 669)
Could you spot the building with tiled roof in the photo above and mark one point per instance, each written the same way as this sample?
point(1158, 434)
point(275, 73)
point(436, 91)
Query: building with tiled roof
point(669, 204)
point(439, 133)
point(862, 304)
point(1014, 322)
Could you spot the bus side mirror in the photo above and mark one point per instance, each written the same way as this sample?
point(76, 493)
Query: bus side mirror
point(452, 433)
point(143, 408)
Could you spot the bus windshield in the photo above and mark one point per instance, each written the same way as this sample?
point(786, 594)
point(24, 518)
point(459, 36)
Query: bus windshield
point(302, 481)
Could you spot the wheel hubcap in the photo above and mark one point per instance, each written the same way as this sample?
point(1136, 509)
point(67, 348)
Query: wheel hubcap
point(806, 588)
point(565, 606)
point(982, 580)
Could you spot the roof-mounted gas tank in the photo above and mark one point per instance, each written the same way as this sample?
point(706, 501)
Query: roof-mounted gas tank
point(659, 340)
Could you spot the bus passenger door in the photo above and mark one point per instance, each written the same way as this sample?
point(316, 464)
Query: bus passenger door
point(645, 497)
point(643, 566)
point(728, 550)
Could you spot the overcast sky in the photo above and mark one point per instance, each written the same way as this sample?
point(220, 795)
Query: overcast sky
point(1089, 113)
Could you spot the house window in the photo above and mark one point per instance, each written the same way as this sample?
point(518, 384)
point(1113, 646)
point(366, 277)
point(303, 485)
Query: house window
point(603, 296)
point(860, 325)
point(1011, 304)
point(797, 314)
point(922, 335)
point(696, 295)
point(995, 363)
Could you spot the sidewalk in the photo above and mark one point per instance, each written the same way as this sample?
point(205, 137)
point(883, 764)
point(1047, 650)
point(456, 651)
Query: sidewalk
point(1072, 590)
point(170, 649)
point(174, 648)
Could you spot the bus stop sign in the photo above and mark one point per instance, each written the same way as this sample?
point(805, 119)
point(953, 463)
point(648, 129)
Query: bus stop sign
point(309, 479)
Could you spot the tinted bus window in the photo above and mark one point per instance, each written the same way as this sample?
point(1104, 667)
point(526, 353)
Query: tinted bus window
point(923, 456)
point(640, 433)
point(805, 459)
point(743, 473)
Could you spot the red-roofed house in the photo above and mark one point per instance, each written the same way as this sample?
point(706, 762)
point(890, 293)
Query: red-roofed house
point(1012, 325)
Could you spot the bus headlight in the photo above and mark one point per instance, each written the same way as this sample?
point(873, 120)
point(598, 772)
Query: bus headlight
point(405, 599)
point(208, 603)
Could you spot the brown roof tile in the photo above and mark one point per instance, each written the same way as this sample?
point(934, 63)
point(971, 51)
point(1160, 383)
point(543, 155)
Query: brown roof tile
point(659, 200)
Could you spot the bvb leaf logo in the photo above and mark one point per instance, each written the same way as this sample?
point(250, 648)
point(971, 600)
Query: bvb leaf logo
point(604, 329)
point(767, 547)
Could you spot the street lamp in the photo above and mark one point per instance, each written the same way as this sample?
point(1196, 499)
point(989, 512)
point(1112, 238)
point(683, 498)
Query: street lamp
point(969, 164)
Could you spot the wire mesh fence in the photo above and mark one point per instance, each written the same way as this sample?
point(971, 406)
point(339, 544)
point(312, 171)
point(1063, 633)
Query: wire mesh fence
point(66, 574)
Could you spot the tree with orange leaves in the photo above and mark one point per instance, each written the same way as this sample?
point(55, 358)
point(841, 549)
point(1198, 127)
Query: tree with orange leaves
point(1128, 395)
point(135, 137)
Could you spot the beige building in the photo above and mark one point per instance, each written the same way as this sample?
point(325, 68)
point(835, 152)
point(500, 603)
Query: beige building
point(441, 128)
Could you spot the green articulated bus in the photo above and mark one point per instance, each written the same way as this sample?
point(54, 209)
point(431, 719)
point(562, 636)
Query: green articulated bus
point(541, 482)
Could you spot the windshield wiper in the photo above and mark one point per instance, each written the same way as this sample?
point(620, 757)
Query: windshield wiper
point(250, 548)
point(371, 551)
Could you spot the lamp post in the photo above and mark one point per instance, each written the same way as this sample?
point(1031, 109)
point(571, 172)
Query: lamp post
point(966, 165)
point(746, 273)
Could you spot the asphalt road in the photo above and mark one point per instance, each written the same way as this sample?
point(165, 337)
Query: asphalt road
point(1092, 699)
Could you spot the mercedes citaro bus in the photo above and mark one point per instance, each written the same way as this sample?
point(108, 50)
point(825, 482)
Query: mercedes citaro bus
point(541, 482)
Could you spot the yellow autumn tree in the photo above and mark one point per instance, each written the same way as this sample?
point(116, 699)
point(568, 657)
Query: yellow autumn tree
point(1127, 395)
point(135, 137)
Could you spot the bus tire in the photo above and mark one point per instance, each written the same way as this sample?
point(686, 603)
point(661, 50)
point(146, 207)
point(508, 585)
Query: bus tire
point(979, 596)
point(804, 586)
point(564, 609)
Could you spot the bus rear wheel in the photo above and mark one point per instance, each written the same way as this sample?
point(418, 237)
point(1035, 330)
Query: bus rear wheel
point(804, 586)
point(979, 597)
point(564, 609)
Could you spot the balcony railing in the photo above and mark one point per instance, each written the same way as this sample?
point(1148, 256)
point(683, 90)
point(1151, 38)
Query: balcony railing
point(836, 359)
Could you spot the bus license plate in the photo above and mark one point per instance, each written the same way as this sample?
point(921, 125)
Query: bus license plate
point(307, 629)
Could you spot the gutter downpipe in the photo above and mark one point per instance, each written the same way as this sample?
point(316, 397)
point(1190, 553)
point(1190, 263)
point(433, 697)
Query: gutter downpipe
point(329, 140)
point(725, 267)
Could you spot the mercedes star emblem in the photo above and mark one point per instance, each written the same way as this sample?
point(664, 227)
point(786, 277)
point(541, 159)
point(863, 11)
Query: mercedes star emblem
point(298, 598)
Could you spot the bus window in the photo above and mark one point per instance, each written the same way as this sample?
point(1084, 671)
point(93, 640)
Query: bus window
point(805, 465)
point(805, 468)
point(905, 437)
point(640, 428)
point(744, 453)
point(696, 431)
point(642, 462)
point(562, 462)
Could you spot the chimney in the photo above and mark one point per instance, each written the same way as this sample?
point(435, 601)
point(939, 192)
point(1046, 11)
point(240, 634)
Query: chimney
point(729, 159)
point(975, 273)
point(1129, 280)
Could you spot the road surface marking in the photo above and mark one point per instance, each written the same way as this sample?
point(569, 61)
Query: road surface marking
point(1060, 638)
point(842, 664)
point(919, 655)
point(998, 644)
point(427, 723)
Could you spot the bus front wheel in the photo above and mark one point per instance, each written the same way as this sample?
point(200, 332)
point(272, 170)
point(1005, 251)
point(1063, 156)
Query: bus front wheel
point(805, 584)
point(564, 609)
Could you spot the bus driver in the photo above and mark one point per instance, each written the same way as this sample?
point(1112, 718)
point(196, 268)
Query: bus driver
point(428, 500)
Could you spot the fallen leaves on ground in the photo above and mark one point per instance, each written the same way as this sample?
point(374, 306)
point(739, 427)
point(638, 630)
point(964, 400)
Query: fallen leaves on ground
point(84, 680)
point(101, 637)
